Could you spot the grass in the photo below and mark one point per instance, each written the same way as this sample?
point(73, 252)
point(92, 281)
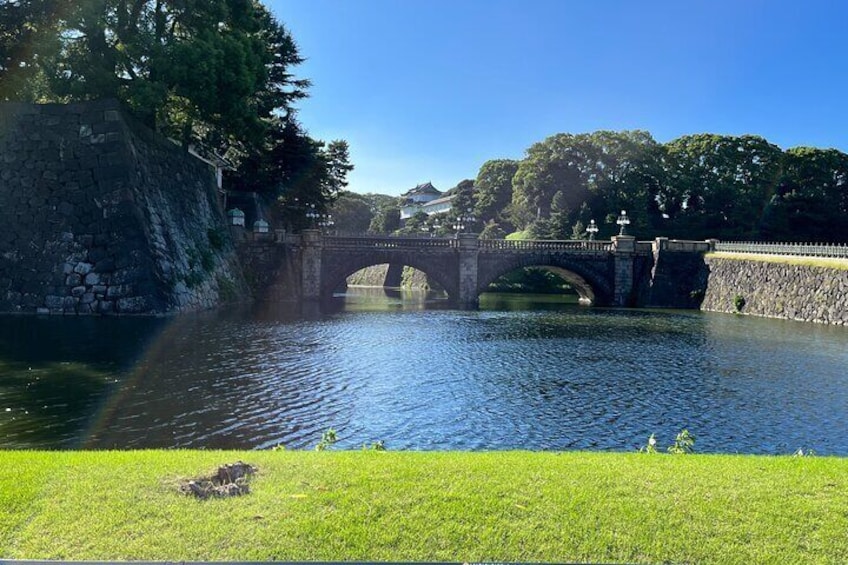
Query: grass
point(407, 506)
point(826, 262)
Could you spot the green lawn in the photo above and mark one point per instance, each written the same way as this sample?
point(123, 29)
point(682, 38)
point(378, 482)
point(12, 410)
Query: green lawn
point(408, 506)
point(827, 262)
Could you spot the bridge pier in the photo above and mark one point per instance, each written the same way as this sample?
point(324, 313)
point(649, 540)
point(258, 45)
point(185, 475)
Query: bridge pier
point(310, 275)
point(468, 249)
point(624, 250)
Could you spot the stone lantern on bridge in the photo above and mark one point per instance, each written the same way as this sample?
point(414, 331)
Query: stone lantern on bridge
point(623, 221)
point(235, 217)
point(261, 226)
point(592, 229)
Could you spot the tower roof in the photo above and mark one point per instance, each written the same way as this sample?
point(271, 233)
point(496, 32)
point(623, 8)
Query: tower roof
point(425, 188)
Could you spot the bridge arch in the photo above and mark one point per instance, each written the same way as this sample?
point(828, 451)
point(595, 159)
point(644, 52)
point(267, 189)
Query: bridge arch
point(339, 269)
point(589, 278)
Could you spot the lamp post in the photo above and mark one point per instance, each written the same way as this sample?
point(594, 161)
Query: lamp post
point(623, 221)
point(592, 230)
point(463, 221)
point(326, 222)
point(312, 215)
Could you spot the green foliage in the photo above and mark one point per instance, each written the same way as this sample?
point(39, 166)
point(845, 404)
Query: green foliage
point(416, 225)
point(493, 230)
point(738, 302)
point(217, 238)
point(720, 184)
point(518, 235)
point(493, 192)
point(193, 278)
point(328, 438)
point(375, 446)
point(533, 280)
point(227, 289)
point(651, 446)
point(593, 174)
point(684, 443)
point(694, 187)
point(214, 74)
point(352, 212)
point(386, 220)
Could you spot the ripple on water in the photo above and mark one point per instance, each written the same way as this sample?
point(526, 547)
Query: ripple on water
point(440, 379)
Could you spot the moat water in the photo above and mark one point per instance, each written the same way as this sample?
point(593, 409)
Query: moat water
point(520, 373)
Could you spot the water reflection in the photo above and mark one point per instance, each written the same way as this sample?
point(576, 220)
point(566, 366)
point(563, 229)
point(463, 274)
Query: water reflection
point(407, 370)
point(55, 372)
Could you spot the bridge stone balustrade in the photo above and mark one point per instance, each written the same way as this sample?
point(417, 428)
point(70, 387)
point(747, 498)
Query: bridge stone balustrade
point(619, 272)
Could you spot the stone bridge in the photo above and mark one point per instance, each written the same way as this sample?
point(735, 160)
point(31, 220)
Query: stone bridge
point(619, 272)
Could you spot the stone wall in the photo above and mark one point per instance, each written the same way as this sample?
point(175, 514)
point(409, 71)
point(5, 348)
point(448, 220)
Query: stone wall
point(377, 276)
point(272, 270)
point(100, 215)
point(678, 275)
point(777, 290)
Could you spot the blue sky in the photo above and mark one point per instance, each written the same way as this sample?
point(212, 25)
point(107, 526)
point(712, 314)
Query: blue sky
point(428, 90)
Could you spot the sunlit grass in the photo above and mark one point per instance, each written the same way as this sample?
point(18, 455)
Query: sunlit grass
point(407, 506)
point(827, 262)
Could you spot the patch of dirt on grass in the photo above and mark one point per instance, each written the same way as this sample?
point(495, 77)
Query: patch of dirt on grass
point(228, 480)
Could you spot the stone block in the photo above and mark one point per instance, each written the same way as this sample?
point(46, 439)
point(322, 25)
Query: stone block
point(92, 279)
point(132, 305)
point(116, 291)
point(78, 291)
point(83, 268)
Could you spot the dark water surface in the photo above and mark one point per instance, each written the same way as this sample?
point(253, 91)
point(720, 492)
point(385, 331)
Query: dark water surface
point(419, 376)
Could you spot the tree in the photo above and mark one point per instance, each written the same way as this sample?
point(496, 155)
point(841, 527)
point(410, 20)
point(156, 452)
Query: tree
point(211, 70)
point(462, 204)
point(387, 220)
point(492, 230)
point(493, 190)
point(811, 201)
point(24, 24)
point(593, 174)
point(559, 163)
point(351, 212)
point(416, 224)
point(723, 184)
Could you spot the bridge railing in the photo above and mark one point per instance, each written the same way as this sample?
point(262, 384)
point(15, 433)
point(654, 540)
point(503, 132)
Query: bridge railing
point(383, 242)
point(544, 245)
point(800, 249)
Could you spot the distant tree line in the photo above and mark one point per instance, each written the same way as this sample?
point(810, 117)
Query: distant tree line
point(216, 74)
point(694, 187)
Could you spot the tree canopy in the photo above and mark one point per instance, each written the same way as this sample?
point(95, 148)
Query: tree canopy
point(694, 187)
point(212, 72)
